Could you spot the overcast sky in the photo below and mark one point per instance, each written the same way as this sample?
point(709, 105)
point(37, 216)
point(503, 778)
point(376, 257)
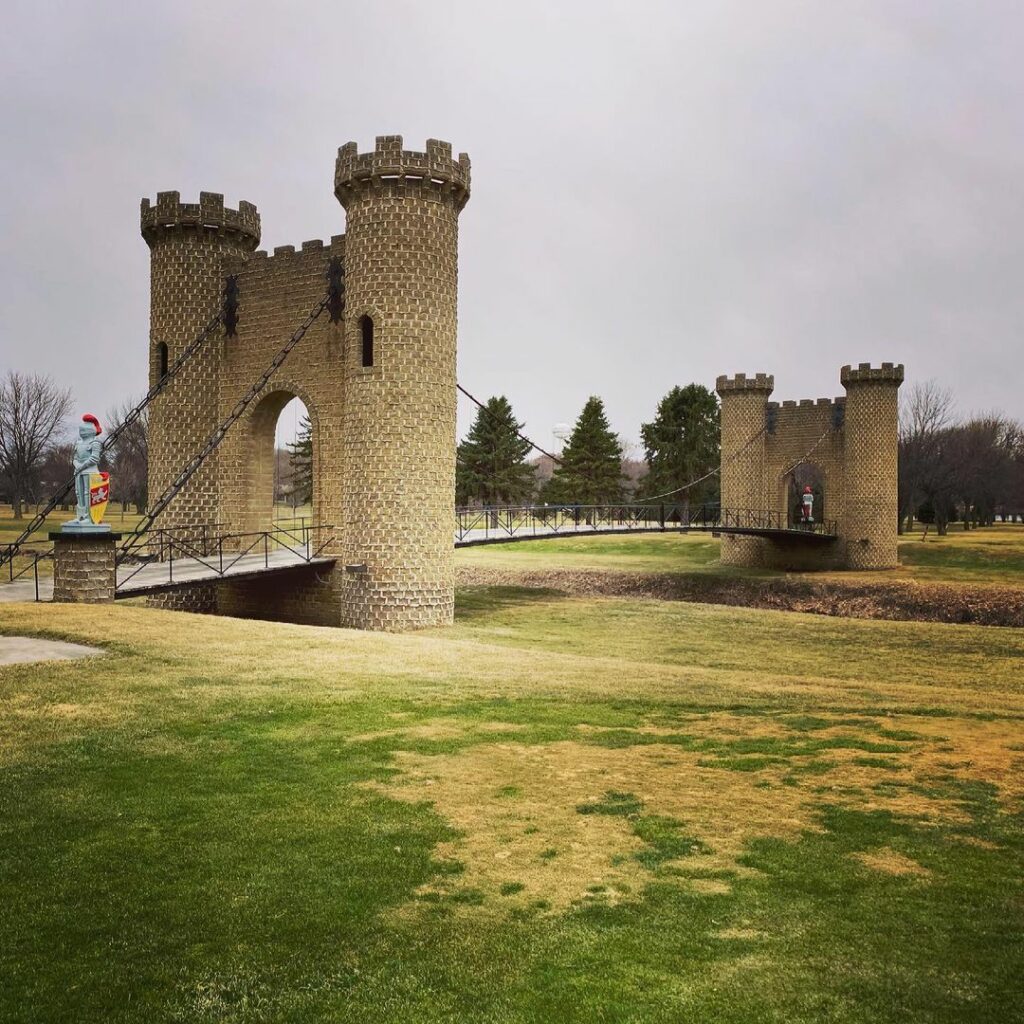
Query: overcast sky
point(662, 192)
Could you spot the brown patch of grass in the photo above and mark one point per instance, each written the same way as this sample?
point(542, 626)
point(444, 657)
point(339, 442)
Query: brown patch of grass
point(891, 862)
point(439, 729)
point(517, 806)
point(739, 933)
point(711, 887)
point(539, 839)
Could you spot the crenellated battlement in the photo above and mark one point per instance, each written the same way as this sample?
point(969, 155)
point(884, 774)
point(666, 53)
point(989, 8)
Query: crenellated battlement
point(169, 213)
point(867, 374)
point(741, 382)
point(433, 171)
point(805, 403)
point(335, 246)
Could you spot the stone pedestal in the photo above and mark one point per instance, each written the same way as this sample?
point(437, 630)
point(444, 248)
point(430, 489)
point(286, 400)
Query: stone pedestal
point(84, 569)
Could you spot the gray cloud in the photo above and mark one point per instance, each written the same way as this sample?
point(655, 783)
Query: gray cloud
point(662, 191)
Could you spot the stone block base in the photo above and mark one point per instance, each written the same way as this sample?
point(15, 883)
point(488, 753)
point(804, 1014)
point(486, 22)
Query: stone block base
point(395, 606)
point(307, 595)
point(84, 568)
point(199, 598)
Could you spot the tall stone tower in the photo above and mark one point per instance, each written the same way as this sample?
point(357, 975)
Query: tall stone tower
point(871, 465)
point(192, 247)
point(401, 250)
point(744, 409)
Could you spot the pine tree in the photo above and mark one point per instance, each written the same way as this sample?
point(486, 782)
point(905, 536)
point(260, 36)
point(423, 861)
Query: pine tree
point(683, 443)
point(591, 470)
point(492, 469)
point(301, 457)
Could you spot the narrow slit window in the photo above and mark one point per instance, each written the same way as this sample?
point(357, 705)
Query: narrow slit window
point(366, 331)
point(161, 355)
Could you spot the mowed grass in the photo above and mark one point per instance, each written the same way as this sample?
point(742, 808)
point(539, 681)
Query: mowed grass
point(556, 810)
point(11, 528)
point(991, 555)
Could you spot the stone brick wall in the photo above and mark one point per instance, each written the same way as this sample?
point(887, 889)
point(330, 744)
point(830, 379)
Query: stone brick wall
point(305, 594)
point(854, 442)
point(744, 407)
point(383, 435)
point(871, 465)
point(84, 571)
point(192, 248)
point(399, 425)
point(276, 292)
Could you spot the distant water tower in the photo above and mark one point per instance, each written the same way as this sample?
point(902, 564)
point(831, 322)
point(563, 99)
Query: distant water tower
point(560, 431)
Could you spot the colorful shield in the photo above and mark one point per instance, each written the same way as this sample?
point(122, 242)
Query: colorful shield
point(99, 495)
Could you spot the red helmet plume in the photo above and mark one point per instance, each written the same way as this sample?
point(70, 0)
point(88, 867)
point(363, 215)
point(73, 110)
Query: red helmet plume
point(89, 418)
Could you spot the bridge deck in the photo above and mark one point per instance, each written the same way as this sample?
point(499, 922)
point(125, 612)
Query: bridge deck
point(156, 577)
point(534, 531)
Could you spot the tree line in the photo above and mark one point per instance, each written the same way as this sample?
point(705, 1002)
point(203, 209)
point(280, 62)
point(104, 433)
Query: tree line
point(951, 469)
point(495, 465)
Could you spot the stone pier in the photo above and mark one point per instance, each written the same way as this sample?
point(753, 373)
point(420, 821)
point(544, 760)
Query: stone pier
point(84, 568)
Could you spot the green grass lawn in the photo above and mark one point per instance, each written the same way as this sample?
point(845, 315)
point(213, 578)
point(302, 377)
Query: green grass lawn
point(556, 810)
point(994, 555)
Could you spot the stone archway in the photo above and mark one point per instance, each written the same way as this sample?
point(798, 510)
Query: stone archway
point(250, 506)
point(805, 474)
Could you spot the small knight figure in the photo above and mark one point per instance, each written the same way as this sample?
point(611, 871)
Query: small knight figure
point(88, 449)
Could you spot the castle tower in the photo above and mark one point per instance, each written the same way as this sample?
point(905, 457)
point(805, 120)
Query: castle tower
point(744, 412)
point(398, 510)
point(871, 465)
point(192, 247)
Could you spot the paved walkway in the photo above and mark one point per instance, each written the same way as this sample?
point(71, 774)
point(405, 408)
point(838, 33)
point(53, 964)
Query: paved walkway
point(16, 650)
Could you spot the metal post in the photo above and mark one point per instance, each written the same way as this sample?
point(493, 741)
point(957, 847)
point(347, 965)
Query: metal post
point(220, 551)
point(170, 563)
point(266, 550)
point(35, 570)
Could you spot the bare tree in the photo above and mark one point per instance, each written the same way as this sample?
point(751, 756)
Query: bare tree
point(55, 471)
point(32, 411)
point(129, 458)
point(926, 413)
point(984, 454)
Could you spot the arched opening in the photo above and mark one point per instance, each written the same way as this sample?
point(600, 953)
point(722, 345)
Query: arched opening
point(279, 465)
point(161, 360)
point(807, 474)
point(293, 464)
point(366, 336)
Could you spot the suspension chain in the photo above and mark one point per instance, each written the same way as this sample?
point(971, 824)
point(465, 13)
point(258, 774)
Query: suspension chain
point(714, 472)
point(522, 437)
point(112, 438)
point(214, 440)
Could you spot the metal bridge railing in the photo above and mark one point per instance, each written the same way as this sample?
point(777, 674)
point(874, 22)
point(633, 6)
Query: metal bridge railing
point(507, 523)
point(21, 560)
point(221, 553)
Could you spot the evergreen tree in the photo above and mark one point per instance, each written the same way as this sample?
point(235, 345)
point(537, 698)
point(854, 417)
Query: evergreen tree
point(301, 457)
point(683, 443)
point(591, 470)
point(492, 467)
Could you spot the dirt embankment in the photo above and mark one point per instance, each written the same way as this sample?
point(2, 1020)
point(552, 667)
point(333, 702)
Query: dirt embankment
point(899, 599)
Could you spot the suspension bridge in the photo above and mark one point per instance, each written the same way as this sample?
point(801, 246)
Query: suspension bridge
point(363, 330)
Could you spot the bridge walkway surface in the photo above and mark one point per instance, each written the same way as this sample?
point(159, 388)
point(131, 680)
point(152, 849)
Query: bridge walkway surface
point(158, 577)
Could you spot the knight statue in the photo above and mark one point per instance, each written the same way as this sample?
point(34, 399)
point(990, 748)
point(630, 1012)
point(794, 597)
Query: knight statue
point(92, 488)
